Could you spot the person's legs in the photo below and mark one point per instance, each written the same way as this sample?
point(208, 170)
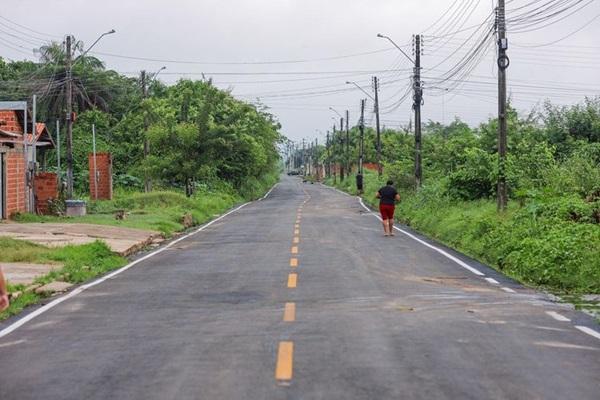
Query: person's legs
point(386, 227)
point(391, 220)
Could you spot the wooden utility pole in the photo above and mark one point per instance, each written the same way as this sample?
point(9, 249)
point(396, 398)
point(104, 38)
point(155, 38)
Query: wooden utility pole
point(418, 98)
point(69, 117)
point(376, 89)
point(144, 84)
point(503, 63)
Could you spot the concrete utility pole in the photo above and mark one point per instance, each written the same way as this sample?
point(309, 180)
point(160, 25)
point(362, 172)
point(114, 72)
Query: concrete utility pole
point(361, 147)
point(348, 163)
point(303, 157)
point(69, 117)
point(144, 84)
point(58, 152)
point(328, 167)
point(341, 141)
point(503, 63)
point(418, 98)
point(333, 150)
point(376, 89)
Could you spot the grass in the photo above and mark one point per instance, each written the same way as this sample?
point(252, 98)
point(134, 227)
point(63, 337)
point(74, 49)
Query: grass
point(80, 263)
point(543, 250)
point(160, 211)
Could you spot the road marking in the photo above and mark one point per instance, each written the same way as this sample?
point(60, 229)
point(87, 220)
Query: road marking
point(293, 262)
point(292, 280)
point(285, 360)
point(297, 226)
point(269, 192)
point(508, 290)
point(589, 331)
point(296, 231)
point(557, 316)
point(289, 314)
point(295, 250)
point(492, 281)
point(296, 240)
point(75, 292)
point(442, 252)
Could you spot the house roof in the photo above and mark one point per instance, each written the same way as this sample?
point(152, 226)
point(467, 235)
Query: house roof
point(42, 136)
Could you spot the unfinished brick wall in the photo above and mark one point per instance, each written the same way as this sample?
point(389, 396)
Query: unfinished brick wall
point(15, 182)
point(104, 168)
point(9, 121)
point(46, 188)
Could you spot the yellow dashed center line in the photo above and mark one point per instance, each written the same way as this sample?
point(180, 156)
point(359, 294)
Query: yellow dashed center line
point(292, 280)
point(289, 314)
point(295, 250)
point(293, 262)
point(285, 360)
point(296, 240)
point(296, 231)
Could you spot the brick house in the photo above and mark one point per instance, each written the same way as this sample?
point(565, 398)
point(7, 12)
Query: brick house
point(13, 166)
point(16, 187)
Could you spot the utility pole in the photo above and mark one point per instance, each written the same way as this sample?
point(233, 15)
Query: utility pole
point(328, 167)
point(144, 84)
point(348, 163)
point(303, 157)
point(503, 63)
point(361, 148)
point(376, 89)
point(333, 150)
point(69, 117)
point(58, 153)
point(418, 99)
point(341, 141)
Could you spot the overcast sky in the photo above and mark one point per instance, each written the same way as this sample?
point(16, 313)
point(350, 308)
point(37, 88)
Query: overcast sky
point(316, 36)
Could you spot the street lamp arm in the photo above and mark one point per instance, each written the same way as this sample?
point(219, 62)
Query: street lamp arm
point(93, 44)
point(379, 35)
point(363, 90)
point(335, 111)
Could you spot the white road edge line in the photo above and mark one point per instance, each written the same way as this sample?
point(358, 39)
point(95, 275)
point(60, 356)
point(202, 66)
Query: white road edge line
point(75, 292)
point(442, 252)
point(589, 331)
point(492, 281)
point(557, 316)
point(269, 192)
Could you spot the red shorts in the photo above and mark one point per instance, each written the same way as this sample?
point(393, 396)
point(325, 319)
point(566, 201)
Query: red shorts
point(387, 211)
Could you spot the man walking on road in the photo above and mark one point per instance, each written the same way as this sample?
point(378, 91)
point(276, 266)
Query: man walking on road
point(3, 292)
point(388, 196)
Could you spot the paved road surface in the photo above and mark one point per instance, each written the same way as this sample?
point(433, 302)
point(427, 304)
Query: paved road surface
point(224, 314)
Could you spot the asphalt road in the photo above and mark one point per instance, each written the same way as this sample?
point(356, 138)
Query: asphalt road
point(225, 314)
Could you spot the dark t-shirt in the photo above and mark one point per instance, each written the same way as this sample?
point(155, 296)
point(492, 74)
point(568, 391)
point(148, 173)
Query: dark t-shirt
point(388, 195)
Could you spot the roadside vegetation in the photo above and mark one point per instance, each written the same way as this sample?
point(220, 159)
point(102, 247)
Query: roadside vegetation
point(550, 235)
point(75, 264)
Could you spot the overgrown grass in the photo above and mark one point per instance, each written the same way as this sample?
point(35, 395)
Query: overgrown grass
point(541, 243)
point(159, 211)
point(80, 263)
point(163, 210)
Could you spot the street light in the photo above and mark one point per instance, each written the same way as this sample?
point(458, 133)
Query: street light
point(69, 117)
point(379, 35)
point(363, 90)
point(335, 111)
point(158, 72)
point(417, 97)
point(93, 44)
